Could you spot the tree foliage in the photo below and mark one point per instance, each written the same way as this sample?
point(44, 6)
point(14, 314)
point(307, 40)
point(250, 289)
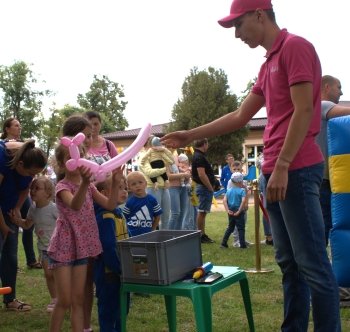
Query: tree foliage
point(247, 90)
point(19, 98)
point(104, 97)
point(206, 97)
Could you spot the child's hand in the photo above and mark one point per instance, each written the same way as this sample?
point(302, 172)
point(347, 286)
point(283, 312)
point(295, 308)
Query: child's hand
point(85, 174)
point(230, 213)
point(118, 173)
point(236, 214)
point(15, 217)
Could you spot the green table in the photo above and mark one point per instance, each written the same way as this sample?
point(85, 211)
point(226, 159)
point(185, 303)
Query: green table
point(200, 294)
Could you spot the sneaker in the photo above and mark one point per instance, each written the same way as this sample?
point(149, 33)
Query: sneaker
point(249, 243)
point(224, 245)
point(267, 242)
point(208, 238)
point(50, 306)
point(243, 248)
point(236, 244)
point(204, 239)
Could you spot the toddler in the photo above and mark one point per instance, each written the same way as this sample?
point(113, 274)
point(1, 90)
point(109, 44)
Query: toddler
point(107, 269)
point(142, 211)
point(43, 214)
point(234, 202)
point(184, 167)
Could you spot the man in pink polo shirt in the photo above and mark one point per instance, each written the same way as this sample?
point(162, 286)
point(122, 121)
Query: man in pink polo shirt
point(289, 83)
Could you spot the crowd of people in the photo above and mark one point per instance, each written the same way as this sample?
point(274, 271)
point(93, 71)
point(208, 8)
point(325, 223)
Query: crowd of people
point(77, 234)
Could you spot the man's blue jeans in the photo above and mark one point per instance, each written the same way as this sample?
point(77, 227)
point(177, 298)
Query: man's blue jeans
point(325, 200)
point(298, 236)
point(163, 199)
point(179, 202)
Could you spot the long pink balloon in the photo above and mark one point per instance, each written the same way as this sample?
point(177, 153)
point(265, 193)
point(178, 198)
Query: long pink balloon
point(101, 171)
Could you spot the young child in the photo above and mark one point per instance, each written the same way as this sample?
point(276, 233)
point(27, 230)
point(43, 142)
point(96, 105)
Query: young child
point(234, 202)
point(236, 166)
point(159, 156)
point(107, 269)
point(142, 211)
point(75, 237)
point(43, 214)
point(184, 167)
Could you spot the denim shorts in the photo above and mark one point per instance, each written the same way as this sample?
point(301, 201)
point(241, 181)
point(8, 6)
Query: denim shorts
point(53, 264)
point(205, 198)
point(43, 255)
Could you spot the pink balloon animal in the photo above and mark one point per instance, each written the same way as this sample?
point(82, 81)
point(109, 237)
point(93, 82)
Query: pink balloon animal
point(100, 171)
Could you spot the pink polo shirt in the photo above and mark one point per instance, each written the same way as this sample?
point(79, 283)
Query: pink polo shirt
point(292, 59)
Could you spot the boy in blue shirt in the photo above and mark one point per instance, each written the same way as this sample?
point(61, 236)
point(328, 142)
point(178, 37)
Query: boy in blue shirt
point(234, 202)
point(107, 268)
point(142, 211)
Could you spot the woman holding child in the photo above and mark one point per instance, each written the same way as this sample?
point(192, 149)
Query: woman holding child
point(162, 194)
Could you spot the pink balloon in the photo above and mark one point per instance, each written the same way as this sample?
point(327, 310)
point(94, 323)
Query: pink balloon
point(131, 151)
point(101, 171)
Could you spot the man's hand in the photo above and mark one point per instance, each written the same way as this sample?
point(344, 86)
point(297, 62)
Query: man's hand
point(177, 139)
point(277, 185)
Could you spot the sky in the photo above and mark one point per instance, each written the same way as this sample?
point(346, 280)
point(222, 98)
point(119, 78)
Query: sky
point(150, 47)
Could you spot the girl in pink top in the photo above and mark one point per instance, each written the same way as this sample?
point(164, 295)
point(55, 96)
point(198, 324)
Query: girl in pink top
point(75, 237)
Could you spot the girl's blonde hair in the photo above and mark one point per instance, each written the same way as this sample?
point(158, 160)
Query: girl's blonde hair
point(48, 184)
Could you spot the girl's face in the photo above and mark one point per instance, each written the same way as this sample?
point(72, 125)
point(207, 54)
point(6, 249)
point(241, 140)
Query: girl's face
point(38, 192)
point(96, 126)
point(14, 131)
point(31, 171)
point(87, 141)
point(67, 157)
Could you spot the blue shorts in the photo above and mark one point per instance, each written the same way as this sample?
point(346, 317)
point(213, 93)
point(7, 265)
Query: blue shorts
point(53, 264)
point(205, 198)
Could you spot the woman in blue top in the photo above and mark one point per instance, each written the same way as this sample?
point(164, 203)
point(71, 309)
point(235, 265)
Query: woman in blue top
point(17, 169)
point(11, 132)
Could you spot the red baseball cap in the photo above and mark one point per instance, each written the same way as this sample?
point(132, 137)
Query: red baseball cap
point(240, 7)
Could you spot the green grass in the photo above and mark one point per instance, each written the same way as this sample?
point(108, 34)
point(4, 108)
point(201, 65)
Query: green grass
point(148, 314)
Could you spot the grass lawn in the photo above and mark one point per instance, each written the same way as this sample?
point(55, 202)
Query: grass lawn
point(148, 314)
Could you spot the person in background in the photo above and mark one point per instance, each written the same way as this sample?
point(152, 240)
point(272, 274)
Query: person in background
point(234, 202)
point(288, 84)
point(331, 91)
point(236, 166)
point(226, 171)
point(17, 170)
point(203, 175)
point(162, 194)
point(107, 268)
point(262, 187)
point(330, 94)
point(101, 149)
point(180, 199)
point(43, 215)
point(11, 132)
point(142, 211)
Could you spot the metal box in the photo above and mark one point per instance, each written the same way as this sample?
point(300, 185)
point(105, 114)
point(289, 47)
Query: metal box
point(160, 257)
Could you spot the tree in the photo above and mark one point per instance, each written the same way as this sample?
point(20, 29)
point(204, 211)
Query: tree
point(19, 99)
point(51, 130)
point(247, 90)
point(104, 97)
point(206, 97)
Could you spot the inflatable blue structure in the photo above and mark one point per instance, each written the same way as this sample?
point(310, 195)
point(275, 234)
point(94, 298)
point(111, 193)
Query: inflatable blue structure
point(338, 136)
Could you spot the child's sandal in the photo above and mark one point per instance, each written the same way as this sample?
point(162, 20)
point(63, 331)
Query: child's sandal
point(21, 306)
